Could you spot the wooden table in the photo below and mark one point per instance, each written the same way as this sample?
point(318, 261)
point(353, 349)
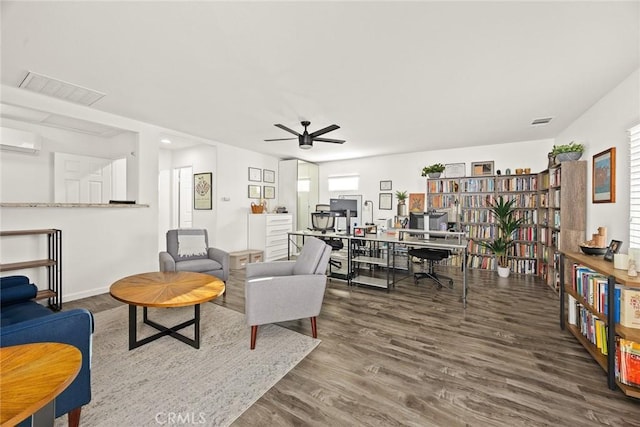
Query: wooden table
point(31, 376)
point(166, 289)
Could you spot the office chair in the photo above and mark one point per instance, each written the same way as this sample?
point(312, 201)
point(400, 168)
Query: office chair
point(322, 220)
point(431, 256)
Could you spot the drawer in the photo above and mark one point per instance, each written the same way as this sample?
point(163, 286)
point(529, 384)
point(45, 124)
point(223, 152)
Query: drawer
point(279, 220)
point(278, 240)
point(275, 252)
point(278, 230)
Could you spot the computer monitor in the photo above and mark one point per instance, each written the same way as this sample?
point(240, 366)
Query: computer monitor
point(437, 221)
point(323, 221)
point(345, 208)
point(416, 221)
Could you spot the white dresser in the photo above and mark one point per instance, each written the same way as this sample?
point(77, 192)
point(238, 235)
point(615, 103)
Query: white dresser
point(268, 232)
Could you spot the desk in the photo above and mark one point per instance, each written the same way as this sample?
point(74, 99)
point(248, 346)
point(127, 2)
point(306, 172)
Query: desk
point(32, 376)
point(448, 240)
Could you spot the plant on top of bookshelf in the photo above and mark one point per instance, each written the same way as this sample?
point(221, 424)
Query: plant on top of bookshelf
point(433, 171)
point(565, 152)
point(506, 226)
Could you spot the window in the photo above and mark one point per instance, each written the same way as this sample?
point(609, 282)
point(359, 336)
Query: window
point(343, 183)
point(634, 187)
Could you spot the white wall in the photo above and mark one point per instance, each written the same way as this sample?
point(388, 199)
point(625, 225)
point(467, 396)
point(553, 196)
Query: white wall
point(601, 127)
point(404, 170)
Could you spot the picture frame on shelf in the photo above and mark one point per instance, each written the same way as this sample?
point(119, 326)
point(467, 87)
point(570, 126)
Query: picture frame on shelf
point(482, 168)
point(269, 192)
point(385, 201)
point(614, 248)
point(455, 170)
point(255, 174)
point(255, 192)
point(604, 176)
point(268, 176)
point(386, 185)
point(202, 191)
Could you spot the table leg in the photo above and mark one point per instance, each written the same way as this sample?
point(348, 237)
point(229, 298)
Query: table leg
point(172, 331)
point(45, 417)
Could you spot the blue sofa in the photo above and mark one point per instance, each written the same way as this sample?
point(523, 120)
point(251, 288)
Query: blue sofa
point(23, 321)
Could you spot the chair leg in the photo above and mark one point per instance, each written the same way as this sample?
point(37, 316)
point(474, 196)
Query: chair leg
point(74, 417)
point(314, 328)
point(254, 334)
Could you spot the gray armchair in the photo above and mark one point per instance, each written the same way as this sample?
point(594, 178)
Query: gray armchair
point(188, 250)
point(287, 290)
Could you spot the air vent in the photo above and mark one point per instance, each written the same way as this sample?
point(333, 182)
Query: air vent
point(539, 122)
point(58, 89)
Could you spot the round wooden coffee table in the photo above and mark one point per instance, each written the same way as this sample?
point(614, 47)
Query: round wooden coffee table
point(32, 375)
point(166, 289)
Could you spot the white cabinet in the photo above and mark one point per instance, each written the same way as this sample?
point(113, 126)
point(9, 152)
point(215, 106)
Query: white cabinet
point(268, 233)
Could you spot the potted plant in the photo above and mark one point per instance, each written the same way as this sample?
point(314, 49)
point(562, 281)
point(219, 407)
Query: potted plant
point(506, 225)
point(433, 171)
point(402, 207)
point(567, 152)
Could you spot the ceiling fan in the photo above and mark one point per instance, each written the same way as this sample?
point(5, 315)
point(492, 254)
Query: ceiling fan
point(305, 140)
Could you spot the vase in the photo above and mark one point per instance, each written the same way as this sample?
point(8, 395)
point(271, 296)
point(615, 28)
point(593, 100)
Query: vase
point(434, 174)
point(503, 271)
point(567, 157)
point(402, 208)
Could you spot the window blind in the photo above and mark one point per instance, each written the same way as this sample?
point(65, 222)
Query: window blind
point(634, 187)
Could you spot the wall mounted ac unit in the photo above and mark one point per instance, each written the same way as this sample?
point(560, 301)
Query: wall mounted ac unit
point(19, 140)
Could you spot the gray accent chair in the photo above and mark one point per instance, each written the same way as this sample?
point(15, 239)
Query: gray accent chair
point(287, 290)
point(211, 261)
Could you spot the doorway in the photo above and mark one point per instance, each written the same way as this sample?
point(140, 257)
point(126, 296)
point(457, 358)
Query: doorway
point(183, 191)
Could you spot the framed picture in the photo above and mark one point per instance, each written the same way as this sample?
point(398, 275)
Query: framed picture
point(385, 185)
point(202, 190)
point(604, 176)
point(268, 176)
point(269, 192)
point(385, 201)
point(614, 248)
point(455, 170)
point(416, 202)
point(482, 168)
point(254, 191)
point(255, 174)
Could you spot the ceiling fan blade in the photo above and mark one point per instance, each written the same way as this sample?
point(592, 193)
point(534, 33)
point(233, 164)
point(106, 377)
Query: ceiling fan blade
point(283, 127)
point(279, 139)
point(323, 131)
point(335, 141)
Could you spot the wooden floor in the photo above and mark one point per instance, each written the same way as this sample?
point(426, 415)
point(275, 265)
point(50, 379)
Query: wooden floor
point(415, 357)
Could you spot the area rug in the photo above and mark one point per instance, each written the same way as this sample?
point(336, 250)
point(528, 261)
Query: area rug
point(169, 382)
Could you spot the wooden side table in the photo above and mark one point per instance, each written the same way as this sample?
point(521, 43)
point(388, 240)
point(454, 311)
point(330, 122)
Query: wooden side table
point(31, 376)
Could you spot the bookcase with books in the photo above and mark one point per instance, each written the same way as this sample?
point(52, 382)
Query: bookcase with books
point(562, 216)
point(470, 198)
point(600, 306)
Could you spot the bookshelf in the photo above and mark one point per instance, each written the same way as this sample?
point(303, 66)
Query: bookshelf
point(582, 313)
point(470, 198)
point(562, 203)
point(53, 293)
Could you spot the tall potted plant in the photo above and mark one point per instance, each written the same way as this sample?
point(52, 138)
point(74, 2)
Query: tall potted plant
point(506, 226)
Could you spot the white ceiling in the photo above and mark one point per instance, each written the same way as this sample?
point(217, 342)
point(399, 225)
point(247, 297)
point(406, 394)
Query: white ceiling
point(396, 76)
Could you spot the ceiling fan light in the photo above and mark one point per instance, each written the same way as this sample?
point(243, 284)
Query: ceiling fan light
point(305, 146)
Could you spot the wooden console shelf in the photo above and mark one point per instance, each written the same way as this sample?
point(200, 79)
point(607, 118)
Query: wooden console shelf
point(614, 330)
point(53, 293)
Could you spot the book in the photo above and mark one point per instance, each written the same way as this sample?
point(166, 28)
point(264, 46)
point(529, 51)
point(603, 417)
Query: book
point(630, 308)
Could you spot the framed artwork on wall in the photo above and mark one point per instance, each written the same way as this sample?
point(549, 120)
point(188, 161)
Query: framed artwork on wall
point(385, 201)
point(255, 174)
point(254, 191)
point(482, 168)
point(604, 176)
point(202, 191)
point(455, 170)
point(268, 176)
point(385, 185)
point(416, 202)
point(269, 192)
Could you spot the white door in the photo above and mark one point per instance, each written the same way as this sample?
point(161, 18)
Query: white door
point(185, 196)
point(81, 179)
